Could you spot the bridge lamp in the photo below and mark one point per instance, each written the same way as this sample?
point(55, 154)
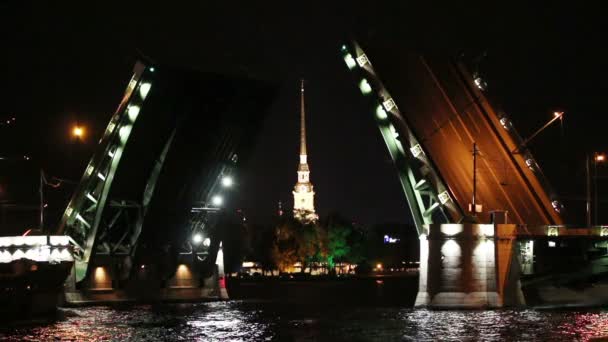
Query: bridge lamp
point(350, 61)
point(78, 132)
point(197, 238)
point(144, 89)
point(217, 200)
point(207, 242)
point(227, 181)
point(599, 158)
point(365, 87)
point(381, 113)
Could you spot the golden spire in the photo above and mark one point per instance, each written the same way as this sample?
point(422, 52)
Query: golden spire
point(302, 122)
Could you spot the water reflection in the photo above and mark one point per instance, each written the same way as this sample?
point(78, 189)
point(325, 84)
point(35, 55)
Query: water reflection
point(266, 321)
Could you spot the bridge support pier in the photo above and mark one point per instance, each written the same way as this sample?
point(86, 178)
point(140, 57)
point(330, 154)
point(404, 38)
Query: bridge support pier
point(468, 266)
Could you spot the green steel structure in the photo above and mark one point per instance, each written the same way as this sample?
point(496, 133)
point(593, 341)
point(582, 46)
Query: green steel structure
point(428, 197)
point(82, 216)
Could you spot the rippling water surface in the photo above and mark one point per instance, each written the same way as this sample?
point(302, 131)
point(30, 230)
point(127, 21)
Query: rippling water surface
point(272, 321)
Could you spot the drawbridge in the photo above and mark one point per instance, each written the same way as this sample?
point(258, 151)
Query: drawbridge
point(163, 172)
point(431, 113)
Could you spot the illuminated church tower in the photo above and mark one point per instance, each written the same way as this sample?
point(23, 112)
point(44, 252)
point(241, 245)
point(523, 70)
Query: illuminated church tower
point(303, 193)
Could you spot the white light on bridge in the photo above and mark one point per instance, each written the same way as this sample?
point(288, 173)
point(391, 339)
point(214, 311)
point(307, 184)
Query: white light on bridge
point(530, 163)
point(389, 105)
point(551, 243)
point(350, 61)
point(444, 197)
point(152, 69)
point(362, 60)
point(365, 87)
point(144, 89)
point(416, 150)
point(133, 111)
point(197, 238)
point(381, 113)
point(206, 242)
point(227, 181)
point(217, 200)
point(504, 122)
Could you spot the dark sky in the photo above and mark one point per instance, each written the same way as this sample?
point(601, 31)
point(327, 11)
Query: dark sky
point(61, 64)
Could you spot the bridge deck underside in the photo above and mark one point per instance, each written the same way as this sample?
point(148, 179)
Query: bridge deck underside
point(448, 118)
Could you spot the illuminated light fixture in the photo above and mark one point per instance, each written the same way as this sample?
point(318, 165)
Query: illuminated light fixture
point(487, 229)
point(69, 211)
point(144, 89)
point(416, 150)
point(558, 114)
point(444, 197)
point(124, 132)
point(60, 240)
point(604, 231)
point(152, 69)
point(451, 229)
point(133, 111)
point(362, 60)
point(557, 206)
point(227, 181)
point(217, 200)
point(197, 238)
point(101, 176)
point(18, 255)
point(552, 231)
point(480, 83)
point(343, 48)
point(111, 127)
point(365, 87)
point(91, 198)
point(551, 243)
point(248, 264)
point(504, 122)
point(111, 154)
point(381, 113)
point(530, 163)
point(600, 158)
point(350, 61)
point(90, 169)
point(389, 104)
point(207, 242)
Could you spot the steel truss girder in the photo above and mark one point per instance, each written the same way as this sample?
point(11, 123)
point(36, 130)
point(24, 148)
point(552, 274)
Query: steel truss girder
point(83, 215)
point(421, 182)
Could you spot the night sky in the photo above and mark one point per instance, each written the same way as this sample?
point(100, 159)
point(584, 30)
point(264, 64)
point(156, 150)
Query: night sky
point(62, 64)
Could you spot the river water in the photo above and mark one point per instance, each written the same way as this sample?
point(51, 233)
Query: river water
point(287, 321)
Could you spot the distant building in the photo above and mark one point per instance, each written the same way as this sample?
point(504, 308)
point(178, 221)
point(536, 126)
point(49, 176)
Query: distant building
point(303, 192)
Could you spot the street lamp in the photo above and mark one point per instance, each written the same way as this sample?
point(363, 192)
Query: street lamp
point(597, 158)
point(556, 116)
point(78, 132)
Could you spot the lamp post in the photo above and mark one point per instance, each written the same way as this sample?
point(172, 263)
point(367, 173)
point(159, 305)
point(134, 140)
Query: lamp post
point(597, 158)
point(556, 116)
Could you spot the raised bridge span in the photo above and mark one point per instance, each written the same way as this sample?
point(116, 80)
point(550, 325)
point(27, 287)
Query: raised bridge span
point(158, 176)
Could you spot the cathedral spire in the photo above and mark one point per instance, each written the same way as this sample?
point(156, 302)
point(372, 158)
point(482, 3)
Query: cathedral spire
point(303, 193)
point(302, 121)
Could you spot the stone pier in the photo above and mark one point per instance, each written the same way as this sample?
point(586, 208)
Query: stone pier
point(468, 266)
